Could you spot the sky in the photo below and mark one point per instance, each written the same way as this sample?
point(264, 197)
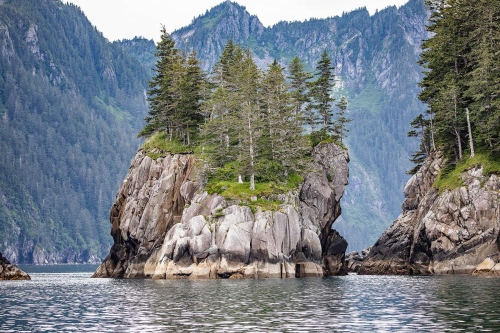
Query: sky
point(125, 19)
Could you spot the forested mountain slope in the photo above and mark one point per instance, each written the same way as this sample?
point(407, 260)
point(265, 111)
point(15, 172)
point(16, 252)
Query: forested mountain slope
point(71, 104)
point(376, 66)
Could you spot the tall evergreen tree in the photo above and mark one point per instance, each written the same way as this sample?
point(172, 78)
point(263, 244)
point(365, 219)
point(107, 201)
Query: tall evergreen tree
point(249, 118)
point(285, 147)
point(340, 127)
point(161, 85)
point(321, 92)
point(300, 98)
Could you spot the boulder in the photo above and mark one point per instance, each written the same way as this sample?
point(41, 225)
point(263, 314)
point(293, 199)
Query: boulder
point(11, 272)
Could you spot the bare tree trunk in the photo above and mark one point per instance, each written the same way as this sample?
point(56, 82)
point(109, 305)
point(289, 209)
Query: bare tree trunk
point(252, 171)
point(432, 133)
point(470, 134)
point(457, 132)
point(459, 142)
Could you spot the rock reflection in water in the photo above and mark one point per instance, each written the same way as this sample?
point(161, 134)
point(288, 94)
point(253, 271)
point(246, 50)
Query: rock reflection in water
point(73, 302)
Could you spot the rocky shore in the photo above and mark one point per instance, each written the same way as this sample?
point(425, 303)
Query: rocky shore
point(166, 226)
point(442, 233)
point(11, 272)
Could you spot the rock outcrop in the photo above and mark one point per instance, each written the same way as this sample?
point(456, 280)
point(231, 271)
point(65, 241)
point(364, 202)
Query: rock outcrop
point(440, 233)
point(165, 225)
point(354, 260)
point(11, 272)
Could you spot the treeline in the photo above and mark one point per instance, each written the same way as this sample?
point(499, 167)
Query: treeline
point(67, 100)
point(245, 119)
point(462, 80)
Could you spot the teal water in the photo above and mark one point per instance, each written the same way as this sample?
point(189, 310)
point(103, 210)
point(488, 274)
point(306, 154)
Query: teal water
point(62, 300)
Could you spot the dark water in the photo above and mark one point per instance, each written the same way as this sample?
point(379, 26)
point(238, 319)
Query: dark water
point(65, 301)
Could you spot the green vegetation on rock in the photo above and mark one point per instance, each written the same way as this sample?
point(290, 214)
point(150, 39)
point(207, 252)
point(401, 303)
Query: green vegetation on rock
point(450, 176)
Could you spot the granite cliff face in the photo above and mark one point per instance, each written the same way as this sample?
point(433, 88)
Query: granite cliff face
point(11, 272)
point(440, 233)
point(165, 225)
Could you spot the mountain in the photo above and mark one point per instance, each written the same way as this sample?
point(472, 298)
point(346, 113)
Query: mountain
point(376, 67)
point(71, 104)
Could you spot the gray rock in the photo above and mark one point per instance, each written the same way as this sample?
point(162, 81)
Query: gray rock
point(440, 233)
point(164, 226)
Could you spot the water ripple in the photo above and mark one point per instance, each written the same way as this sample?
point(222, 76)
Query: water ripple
point(70, 302)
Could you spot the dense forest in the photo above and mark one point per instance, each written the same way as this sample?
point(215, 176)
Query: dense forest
point(462, 82)
point(69, 104)
point(249, 123)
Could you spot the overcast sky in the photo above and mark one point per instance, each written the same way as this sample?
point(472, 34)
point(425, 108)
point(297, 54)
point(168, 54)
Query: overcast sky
point(119, 19)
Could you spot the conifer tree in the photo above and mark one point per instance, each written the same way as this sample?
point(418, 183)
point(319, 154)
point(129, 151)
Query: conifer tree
point(250, 121)
point(321, 92)
point(161, 85)
point(300, 98)
point(421, 130)
point(285, 148)
point(340, 127)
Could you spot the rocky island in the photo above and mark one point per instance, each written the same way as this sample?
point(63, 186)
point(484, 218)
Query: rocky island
point(451, 232)
point(11, 272)
point(166, 226)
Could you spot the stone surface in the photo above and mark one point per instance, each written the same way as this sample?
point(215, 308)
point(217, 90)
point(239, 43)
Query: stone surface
point(11, 272)
point(440, 233)
point(354, 260)
point(489, 266)
point(166, 226)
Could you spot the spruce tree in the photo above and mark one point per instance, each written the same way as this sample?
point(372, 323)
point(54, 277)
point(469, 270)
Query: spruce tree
point(321, 92)
point(300, 98)
point(340, 127)
point(160, 87)
point(284, 147)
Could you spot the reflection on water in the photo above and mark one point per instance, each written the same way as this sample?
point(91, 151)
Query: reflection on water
point(74, 302)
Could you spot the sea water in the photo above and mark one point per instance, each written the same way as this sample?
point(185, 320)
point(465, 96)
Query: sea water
point(66, 299)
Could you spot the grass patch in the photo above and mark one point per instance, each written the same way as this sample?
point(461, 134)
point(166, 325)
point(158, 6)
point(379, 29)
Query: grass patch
point(450, 176)
point(265, 192)
point(159, 144)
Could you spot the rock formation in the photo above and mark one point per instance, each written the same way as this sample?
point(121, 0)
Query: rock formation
point(354, 260)
point(440, 233)
point(165, 225)
point(11, 272)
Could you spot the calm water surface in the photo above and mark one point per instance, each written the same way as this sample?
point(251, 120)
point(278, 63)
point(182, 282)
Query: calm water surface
point(64, 300)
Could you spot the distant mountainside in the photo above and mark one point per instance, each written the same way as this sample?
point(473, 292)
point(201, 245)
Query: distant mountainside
point(376, 67)
point(71, 104)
